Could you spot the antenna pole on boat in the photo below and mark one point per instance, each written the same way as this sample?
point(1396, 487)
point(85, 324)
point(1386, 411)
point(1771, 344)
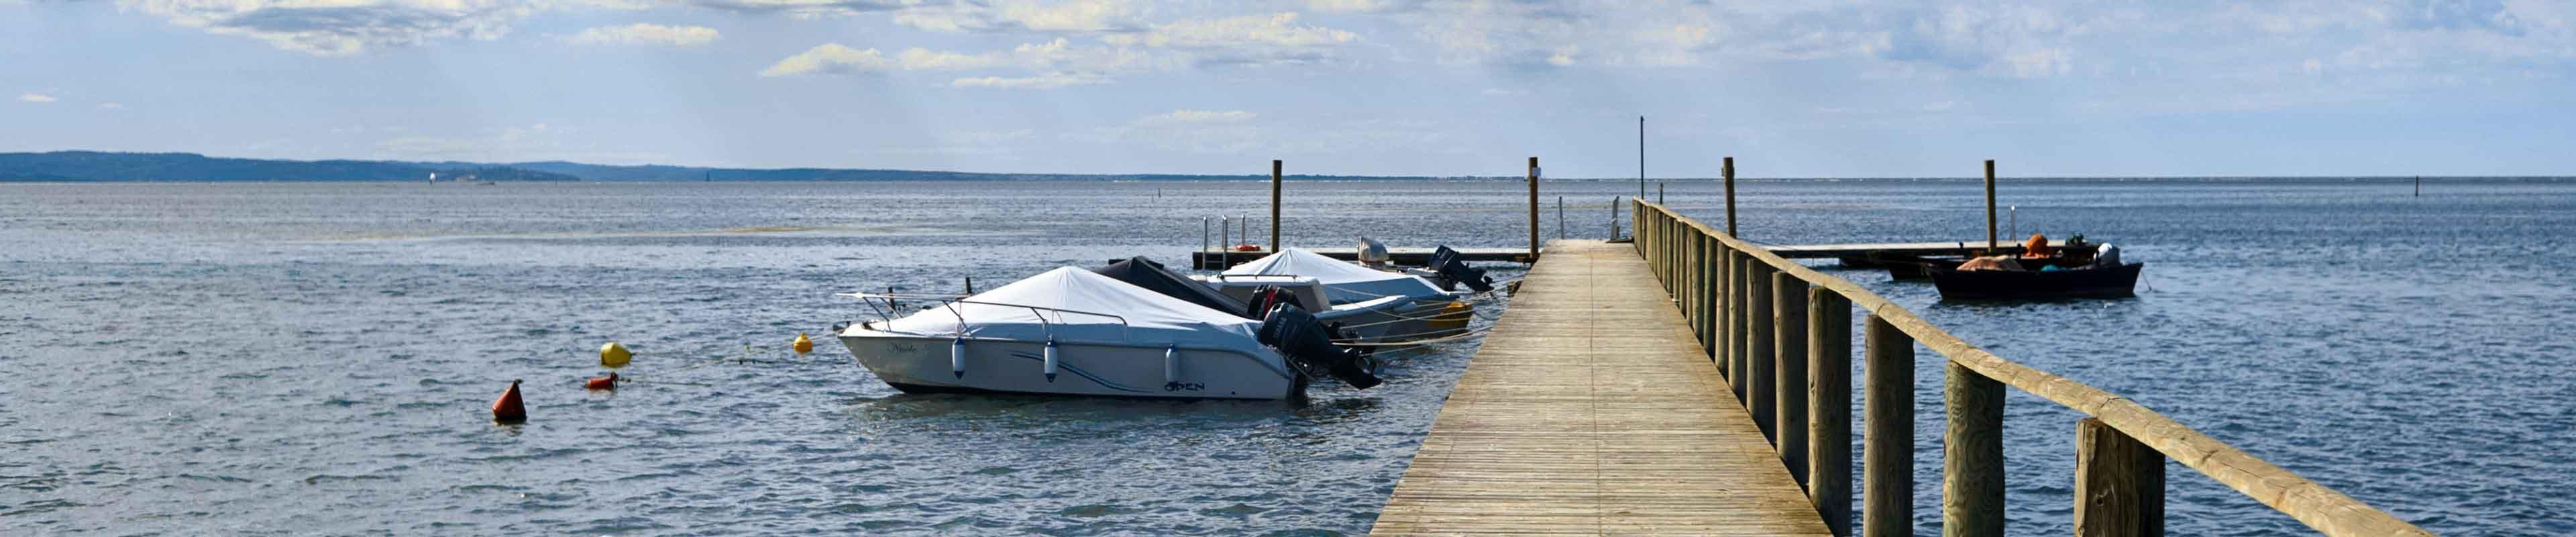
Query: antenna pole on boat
point(1274, 205)
point(1991, 243)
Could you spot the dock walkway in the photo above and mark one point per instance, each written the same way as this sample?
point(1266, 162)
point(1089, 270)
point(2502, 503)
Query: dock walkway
point(1590, 409)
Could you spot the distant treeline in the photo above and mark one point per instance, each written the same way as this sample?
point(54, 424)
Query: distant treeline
point(106, 166)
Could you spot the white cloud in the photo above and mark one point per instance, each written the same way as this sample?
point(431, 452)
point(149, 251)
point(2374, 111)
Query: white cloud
point(1044, 81)
point(339, 27)
point(830, 58)
point(35, 98)
point(1026, 15)
point(645, 34)
point(110, 106)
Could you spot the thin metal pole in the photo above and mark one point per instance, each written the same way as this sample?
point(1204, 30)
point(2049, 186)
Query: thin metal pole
point(1641, 159)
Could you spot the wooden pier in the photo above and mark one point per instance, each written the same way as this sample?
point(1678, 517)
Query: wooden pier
point(1590, 410)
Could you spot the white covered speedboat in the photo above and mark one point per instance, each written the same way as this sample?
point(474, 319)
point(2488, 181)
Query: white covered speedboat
point(1070, 331)
point(1423, 311)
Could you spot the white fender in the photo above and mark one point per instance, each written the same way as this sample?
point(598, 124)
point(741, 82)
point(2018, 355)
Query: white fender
point(1050, 361)
point(957, 357)
point(1172, 364)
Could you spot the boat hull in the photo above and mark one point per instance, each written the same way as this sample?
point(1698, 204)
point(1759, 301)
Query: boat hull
point(1403, 321)
point(924, 365)
point(2111, 282)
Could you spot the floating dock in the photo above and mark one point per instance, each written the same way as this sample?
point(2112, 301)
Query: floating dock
point(1216, 260)
point(1815, 251)
point(1591, 409)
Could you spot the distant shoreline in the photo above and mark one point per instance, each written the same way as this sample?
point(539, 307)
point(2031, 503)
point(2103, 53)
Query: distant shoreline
point(115, 167)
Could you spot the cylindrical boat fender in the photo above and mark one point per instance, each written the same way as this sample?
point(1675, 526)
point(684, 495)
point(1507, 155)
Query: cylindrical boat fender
point(1172, 364)
point(1050, 361)
point(957, 357)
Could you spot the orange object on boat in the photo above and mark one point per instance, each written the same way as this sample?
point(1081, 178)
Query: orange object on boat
point(601, 383)
point(2037, 247)
point(508, 409)
point(1247, 247)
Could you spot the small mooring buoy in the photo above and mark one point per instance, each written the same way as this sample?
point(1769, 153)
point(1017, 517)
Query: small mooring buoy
point(803, 344)
point(508, 409)
point(601, 383)
point(614, 356)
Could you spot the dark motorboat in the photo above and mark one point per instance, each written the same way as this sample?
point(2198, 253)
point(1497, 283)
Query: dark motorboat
point(2115, 281)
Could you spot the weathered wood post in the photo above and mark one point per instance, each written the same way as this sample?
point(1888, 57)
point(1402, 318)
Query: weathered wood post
point(1887, 440)
point(1829, 407)
point(1712, 270)
point(1693, 270)
point(1533, 209)
point(1741, 329)
point(1763, 373)
point(1274, 207)
point(1789, 323)
point(2119, 483)
point(1729, 171)
point(1991, 243)
point(1972, 455)
point(1721, 352)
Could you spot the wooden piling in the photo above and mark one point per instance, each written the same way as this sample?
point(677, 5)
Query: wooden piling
point(1533, 209)
point(1789, 342)
point(1761, 372)
point(1274, 207)
point(1741, 328)
point(1991, 243)
point(1887, 436)
point(2119, 483)
point(1829, 407)
point(1712, 270)
point(1729, 171)
point(1720, 351)
point(1972, 455)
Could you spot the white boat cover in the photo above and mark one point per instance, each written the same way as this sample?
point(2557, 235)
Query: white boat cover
point(1343, 281)
point(1152, 319)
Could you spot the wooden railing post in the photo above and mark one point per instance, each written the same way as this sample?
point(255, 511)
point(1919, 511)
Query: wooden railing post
point(1763, 378)
point(1719, 328)
point(1972, 455)
point(1789, 344)
point(2119, 484)
point(1887, 437)
point(1710, 272)
point(1829, 407)
point(1740, 361)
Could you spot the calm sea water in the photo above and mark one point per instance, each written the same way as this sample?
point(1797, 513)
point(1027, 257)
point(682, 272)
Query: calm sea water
point(317, 358)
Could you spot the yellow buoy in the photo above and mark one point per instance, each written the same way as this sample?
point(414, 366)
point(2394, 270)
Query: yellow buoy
point(803, 344)
point(613, 355)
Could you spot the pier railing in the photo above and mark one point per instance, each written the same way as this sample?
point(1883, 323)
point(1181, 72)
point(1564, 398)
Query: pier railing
point(1782, 334)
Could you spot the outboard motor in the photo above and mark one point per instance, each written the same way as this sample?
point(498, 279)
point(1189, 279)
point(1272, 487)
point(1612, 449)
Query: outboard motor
point(1303, 339)
point(1446, 262)
point(1266, 297)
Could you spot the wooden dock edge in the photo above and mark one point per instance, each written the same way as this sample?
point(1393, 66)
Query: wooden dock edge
point(1972, 495)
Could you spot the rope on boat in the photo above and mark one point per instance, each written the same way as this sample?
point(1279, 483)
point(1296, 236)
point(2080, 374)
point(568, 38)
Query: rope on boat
point(1472, 332)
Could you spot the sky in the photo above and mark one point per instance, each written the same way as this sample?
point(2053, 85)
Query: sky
point(1814, 88)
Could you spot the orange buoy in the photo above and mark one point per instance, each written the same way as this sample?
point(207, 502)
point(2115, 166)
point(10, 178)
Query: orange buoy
point(803, 344)
point(602, 383)
point(1247, 247)
point(507, 409)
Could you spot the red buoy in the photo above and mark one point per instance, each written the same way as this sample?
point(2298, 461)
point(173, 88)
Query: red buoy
point(602, 383)
point(507, 409)
point(1247, 247)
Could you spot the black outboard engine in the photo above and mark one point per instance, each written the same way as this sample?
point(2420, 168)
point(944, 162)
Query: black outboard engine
point(1445, 261)
point(1306, 341)
point(1265, 298)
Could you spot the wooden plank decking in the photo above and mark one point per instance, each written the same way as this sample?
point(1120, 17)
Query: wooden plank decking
point(1590, 410)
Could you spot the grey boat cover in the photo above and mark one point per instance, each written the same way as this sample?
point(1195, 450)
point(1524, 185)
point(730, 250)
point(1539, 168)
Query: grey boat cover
point(1141, 272)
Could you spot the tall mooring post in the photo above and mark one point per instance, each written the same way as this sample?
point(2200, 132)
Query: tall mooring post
point(1729, 171)
point(1274, 205)
point(1533, 209)
point(1991, 243)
